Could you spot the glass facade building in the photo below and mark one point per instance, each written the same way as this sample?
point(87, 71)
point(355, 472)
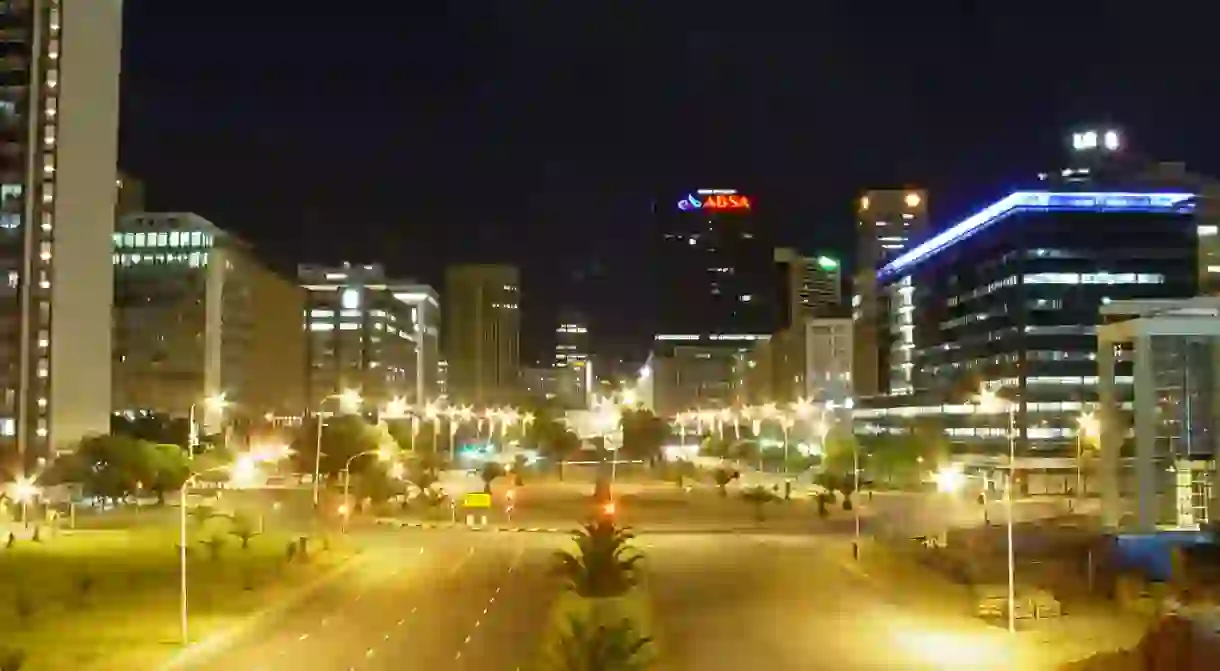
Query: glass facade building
point(1009, 300)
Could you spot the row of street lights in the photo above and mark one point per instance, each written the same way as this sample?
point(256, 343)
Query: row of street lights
point(495, 420)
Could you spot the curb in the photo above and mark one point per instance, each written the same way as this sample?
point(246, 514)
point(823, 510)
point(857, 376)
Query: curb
point(200, 651)
point(462, 527)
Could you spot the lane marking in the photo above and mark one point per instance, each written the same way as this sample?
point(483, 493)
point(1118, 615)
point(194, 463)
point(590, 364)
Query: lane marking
point(303, 637)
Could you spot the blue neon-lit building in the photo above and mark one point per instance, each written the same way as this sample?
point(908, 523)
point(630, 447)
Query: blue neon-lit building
point(1009, 299)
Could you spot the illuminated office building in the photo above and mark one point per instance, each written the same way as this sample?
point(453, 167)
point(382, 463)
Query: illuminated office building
point(197, 314)
point(59, 109)
point(714, 269)
point(1009, 298)
point(812, 286)
point(573, 367)
point(483, 333)
point(689, 371)
point(370, 333)
point(887, 220)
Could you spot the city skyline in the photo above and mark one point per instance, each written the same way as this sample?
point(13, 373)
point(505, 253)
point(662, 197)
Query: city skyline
point(512, 186)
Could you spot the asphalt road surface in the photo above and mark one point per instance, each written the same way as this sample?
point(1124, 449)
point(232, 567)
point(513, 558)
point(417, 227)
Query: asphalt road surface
point(733, 602)
point(428, 601)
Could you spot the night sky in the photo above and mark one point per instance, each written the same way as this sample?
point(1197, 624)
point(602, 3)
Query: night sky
point(541, 133)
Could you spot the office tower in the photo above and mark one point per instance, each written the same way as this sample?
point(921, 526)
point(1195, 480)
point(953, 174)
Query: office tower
point(888, 220)
point(573, 367)
point(370, 334)
point(690, 371)
point(539, 383)
point(58, 134)
point(827, 347)
point(812, 285)
point(1009, 299)
point(482, 333)
point(198, 314)
point(714, 268)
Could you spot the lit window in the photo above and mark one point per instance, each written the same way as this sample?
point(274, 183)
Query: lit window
point(173, 238)
point(746, 298)
point(1208, 230)
point(52, 77)
point(139, 240)
point(44, 251)
point(692, 241)
point(196, 239)
point(350, 299)
point(913, 199)
point(14, 278)
point(321, 326)
point(163, 239)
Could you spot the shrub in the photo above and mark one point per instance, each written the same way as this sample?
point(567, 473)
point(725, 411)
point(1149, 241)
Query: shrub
point(11, 659)
point(24, 605)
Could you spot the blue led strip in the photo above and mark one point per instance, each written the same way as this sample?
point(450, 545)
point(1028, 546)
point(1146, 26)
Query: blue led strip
point(1082, 201)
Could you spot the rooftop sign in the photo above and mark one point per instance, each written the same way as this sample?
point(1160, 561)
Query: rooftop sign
point(714, 199)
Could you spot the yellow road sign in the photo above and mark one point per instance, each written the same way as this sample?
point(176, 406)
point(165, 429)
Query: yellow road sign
point(477, 500)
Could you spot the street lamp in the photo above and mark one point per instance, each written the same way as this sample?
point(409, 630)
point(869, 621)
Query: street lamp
point(215, 403)
point(345, 509)
point(1089, 425)
point(242, 470)
point(23, 491)
point(989, 401)
point(349, 403)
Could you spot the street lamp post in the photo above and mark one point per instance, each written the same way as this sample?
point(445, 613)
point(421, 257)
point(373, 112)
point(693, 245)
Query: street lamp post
point(349, 401)
point(347, 477)
point(214, 402)
point(241, 469)
point(990, 399)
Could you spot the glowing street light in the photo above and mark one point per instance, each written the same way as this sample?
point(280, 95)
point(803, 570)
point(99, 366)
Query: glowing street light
point(213, 403)
point(949, 480)
point(989, 401)
point(244, 469)
point(1090, 427)
point(350, 401)
point(382, 453)
point(396, 408)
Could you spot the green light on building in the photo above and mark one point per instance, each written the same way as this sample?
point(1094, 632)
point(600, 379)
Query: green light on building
point(828, 263)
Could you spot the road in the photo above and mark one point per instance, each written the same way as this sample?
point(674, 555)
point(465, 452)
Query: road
point(439, 600)
point(726, 603)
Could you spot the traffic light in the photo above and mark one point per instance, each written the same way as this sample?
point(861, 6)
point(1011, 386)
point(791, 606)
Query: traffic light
point(608, 508)
point(511, 494)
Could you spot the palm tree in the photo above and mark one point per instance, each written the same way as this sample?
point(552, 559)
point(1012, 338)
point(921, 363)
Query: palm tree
point(604, 565)
point(244, 528)
point(615, 647)
point(490, 471)
point(759, 496)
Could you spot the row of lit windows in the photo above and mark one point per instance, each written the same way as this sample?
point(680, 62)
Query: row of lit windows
point(163, 239)
point(191, 259)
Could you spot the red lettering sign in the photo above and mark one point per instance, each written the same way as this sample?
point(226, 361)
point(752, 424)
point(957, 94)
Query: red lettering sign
point(726, 202)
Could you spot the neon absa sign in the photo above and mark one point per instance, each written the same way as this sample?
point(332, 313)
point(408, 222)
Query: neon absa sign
point(720, 199)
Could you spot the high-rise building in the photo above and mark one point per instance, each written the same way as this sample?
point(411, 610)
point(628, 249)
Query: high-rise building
point(197, 314)
point(827, 359)
point(538, 382)
point(715, 267)
point(887, 222)
point(812, 285)
point(1009, 299)
point(59, 73)
point(688, 371)
point(573, 367)
point(370, 334)
point(482, 333)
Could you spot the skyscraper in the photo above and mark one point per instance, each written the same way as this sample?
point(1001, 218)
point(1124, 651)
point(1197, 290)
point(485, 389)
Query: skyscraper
point(715, 267)
point(812, 285)
point(887, 222)
point(370, 334)
point(573, 367)
point(196, 314)
point(58, 144)
point(482, 333)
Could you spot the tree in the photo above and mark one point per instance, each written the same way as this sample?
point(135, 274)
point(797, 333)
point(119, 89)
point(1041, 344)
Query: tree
point(152, 427)
point(759, 496)
point(489, 472)
point(170, 468)
point(644, 434)
point(554, 441)
point(592, 646)
point(604, 564)
point(342, 438)
point(723, 477)
point(244, 528)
